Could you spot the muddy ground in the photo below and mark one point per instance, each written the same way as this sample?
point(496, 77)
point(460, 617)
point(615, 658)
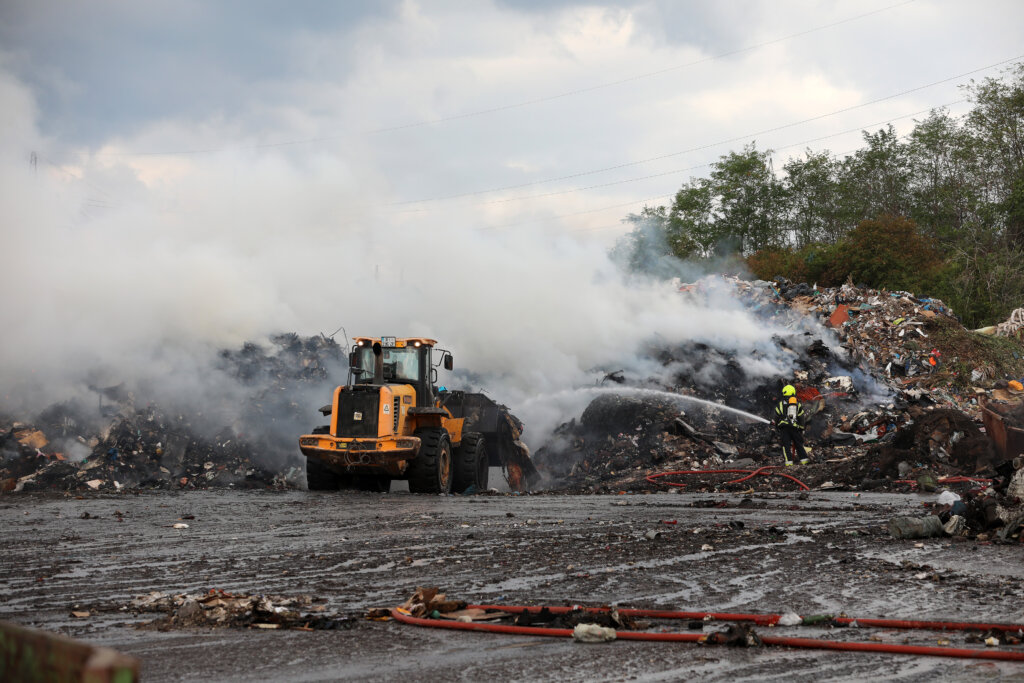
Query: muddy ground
point(810, 553)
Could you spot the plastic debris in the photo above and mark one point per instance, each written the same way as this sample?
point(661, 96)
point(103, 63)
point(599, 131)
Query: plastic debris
point(916, 527)
point(592, 633)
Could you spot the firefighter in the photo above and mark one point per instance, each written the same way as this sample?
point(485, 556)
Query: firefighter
point(789, 420)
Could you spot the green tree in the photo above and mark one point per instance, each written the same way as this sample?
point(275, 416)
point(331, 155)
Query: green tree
point(750, 201)
point(874, 181)
point(997, 124)
point(944, 173)
point(888, 253)
point(691, 230)
point(644, 248)
point(813, 199)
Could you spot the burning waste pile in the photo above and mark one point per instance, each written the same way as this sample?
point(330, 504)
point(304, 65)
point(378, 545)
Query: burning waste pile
point(879, 413)
point(123, 442)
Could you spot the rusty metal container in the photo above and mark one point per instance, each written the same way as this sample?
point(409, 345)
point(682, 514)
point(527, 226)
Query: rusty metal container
point(1007, 437)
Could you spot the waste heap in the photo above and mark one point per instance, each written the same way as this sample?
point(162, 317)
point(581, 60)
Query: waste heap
point(123, 443)
point(879, 413)
point(980, 510)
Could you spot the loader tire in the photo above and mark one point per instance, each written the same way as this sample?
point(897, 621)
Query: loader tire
point(431, 470)
point(319, 478)
point(471, 466)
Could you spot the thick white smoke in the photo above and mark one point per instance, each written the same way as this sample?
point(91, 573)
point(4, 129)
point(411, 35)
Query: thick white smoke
point(138, 269)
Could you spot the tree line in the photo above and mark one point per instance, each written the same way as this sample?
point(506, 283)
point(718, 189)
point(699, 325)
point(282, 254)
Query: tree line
point(939, 212)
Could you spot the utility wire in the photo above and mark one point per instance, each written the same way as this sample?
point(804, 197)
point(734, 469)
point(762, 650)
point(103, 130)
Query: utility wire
point(638, 77)
point(552, 219)
point(704, 165)
point(518, 105)
point(707, 146)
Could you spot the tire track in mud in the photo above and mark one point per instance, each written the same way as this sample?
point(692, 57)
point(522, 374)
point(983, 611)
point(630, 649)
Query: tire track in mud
point(360, 550)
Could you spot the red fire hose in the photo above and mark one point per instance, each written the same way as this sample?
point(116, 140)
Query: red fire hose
point(771, 619)
point(949, 480)
point(763, 619)
point(763, 471)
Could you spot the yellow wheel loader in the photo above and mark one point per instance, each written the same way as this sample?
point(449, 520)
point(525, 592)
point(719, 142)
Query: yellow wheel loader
point(390, 421)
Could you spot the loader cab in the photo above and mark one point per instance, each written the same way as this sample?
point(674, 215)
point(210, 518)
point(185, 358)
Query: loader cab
point(389, 360)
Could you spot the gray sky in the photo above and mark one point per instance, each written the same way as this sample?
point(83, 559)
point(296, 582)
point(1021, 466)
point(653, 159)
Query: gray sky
point(205, 172)
point(433, 100)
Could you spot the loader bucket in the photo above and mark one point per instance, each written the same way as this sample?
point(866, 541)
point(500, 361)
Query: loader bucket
point(502, 433)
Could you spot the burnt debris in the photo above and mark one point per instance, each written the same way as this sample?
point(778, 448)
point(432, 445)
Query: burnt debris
point(122, 442)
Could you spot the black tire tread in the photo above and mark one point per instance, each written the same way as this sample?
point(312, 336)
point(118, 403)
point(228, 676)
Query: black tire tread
point(468, 470)
point(423, 474)
point(319, 478)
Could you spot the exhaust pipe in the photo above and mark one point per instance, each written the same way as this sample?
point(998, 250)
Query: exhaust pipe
point(378, 364)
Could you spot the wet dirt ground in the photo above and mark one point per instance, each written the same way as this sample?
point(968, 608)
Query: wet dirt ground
point(809, 553)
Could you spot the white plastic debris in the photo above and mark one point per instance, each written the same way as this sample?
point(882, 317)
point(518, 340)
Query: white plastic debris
point(1016, 487)
point(790, 619)
point(179, 525)
point(592, 633)
point(955, 526)
point(947, 498)
point(840, 383)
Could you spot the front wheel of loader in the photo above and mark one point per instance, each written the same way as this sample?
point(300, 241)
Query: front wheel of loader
point(471, 466)
point(431, 470)
point(319, 478)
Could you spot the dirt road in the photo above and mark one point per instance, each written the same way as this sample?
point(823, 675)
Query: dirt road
point(815, 553)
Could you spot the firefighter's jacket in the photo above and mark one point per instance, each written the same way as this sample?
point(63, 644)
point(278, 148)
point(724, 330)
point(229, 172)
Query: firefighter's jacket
point(789, 413)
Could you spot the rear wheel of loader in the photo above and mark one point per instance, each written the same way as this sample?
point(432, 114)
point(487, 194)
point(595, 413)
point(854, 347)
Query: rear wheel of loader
point(471, 466)
point(431, 469)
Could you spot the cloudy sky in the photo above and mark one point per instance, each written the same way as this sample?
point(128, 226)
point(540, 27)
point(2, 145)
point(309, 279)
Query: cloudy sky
point(191, 173)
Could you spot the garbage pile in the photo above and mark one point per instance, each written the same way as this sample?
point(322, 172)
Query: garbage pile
point(220, 609)
point(886, 332)
point(985, 511)
point(620, 439)
point(885, 399)
point(122, 442)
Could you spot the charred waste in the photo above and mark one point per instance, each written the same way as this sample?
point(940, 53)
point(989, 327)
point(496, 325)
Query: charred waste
point(894, 388)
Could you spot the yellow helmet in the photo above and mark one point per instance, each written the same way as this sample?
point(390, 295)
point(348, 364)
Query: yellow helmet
point(789, 390)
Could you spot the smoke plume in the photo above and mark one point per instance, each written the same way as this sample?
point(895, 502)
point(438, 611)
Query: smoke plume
point(138, 270)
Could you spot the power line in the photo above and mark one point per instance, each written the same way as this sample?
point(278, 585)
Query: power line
point(552, 219)
point(637, 77)
point(704, 165)
point(518, 105)
point(706, 146)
